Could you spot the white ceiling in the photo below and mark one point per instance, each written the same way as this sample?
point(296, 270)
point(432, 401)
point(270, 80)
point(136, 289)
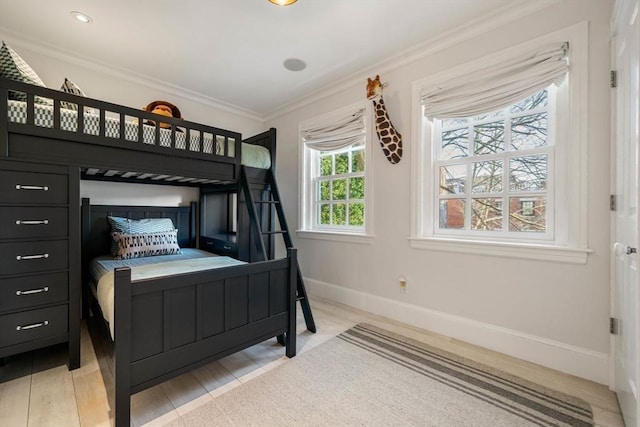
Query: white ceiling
point(233, 50)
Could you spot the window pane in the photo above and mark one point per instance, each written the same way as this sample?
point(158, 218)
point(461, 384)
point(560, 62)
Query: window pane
point(356, 214)
point(339, 214)
point(325, 190)
point(324, 214)
point(493, 114)
point(356, 188)
point(529, 132)
point(449, 123)
point(325, 165)
point(489, 138)
point(528, 173)
point(455, 144)
point(536, 100)
point(342, 163)
point(452, 179)
point(339, 189)
point(486, 214)
point(452, 213)
point(528, 214)
point(357, 161)
point(487, 177)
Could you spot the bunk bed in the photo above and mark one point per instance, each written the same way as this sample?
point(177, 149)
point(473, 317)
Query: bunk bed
point(46, 147)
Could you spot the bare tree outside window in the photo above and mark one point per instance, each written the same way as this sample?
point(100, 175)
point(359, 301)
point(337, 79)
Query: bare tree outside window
point(493, 169)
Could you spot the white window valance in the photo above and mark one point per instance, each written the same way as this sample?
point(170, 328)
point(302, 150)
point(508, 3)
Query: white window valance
point(336, 134)
point(497, 86)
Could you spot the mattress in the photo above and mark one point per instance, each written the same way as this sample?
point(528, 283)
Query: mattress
point(252, 155)
point(190, 260)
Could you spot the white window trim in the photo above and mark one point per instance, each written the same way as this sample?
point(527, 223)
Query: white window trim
point(572, 246)
point(306, 208)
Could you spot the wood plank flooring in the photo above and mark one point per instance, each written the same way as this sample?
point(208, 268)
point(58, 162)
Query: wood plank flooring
point(37, 390)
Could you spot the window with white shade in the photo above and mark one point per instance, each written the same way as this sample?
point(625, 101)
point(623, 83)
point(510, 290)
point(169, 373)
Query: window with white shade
point(499, 154)
point(335, 172)
point(492, 171)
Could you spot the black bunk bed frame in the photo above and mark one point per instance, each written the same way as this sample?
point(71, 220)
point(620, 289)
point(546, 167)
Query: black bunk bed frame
point(233, 307)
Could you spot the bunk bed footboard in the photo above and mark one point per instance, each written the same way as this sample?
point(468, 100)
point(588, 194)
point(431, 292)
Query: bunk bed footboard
point(167, 326)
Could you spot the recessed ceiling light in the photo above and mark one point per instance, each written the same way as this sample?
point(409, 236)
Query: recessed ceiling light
point(294, 64)
point(82, 17)
point(283, 2)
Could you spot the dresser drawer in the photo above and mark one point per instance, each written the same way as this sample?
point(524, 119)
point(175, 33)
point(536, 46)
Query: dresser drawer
point(33, 324)
point(25, 292)
point(29, 187)
point(31, 257)
point(29, 222)
point(219, 245)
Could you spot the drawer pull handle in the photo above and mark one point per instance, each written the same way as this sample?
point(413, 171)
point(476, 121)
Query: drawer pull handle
point(32, 222)
point(33, 291)
point(29, 257)
point(227, 247)
point(32, 326)
point(32, 187)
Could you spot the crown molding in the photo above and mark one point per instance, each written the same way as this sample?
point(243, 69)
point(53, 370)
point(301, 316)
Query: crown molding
point(471, 29)
point(42, 48)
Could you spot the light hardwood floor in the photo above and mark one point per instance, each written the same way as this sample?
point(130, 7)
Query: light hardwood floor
point(36, 389)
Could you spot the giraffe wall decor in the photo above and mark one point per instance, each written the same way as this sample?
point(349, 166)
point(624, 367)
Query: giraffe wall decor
point(390, 139)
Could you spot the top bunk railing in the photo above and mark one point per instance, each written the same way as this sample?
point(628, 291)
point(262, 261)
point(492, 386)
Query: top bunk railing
point(49, 113)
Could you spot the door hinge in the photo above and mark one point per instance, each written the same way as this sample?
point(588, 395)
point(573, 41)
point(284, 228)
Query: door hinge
point(614, 78)
point(612, 202)
point(614, 326)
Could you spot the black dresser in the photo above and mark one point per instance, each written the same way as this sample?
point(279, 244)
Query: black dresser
point(39, 258)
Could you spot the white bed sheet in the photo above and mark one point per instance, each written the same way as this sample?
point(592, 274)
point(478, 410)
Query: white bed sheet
point(105, 283)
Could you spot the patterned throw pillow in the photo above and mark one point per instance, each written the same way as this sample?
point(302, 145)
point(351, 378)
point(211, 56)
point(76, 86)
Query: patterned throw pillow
point(146, 244)
point(70, 87)
point(136, 226)
point(13, 67)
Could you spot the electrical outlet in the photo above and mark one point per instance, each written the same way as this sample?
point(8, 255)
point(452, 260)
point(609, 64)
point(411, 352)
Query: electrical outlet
point(403, 284)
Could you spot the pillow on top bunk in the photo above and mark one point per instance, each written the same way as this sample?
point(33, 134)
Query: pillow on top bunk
point(13, 67)
point(137, 226)
point(70, 87)
point(140, 245)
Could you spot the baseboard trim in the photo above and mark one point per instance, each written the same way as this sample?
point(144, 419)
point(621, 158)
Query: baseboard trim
point(578, 361)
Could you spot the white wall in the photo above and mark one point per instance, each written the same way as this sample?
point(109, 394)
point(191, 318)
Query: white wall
point(123, 88)
point(555, 314)
point(117, 193)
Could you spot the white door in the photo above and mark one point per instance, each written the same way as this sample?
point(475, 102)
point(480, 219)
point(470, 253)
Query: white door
point(626, 121)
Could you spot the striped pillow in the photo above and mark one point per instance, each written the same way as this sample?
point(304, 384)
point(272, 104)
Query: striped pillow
point(70, 87)
point(13, 67)
point(142, 245)
point(137, 226)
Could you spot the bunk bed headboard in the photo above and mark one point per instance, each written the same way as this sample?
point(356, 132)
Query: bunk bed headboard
point(96, 232)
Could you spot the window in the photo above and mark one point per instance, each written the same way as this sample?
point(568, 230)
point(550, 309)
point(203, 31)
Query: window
point(493, 168)
point(499, 154)
point(528, 208)
point(335, 171)
point(339, 188)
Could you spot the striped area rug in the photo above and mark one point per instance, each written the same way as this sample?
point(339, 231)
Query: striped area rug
point(533, 403)
point(368, 376)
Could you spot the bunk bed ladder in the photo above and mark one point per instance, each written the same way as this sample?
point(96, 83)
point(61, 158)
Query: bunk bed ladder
point(273, 202)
